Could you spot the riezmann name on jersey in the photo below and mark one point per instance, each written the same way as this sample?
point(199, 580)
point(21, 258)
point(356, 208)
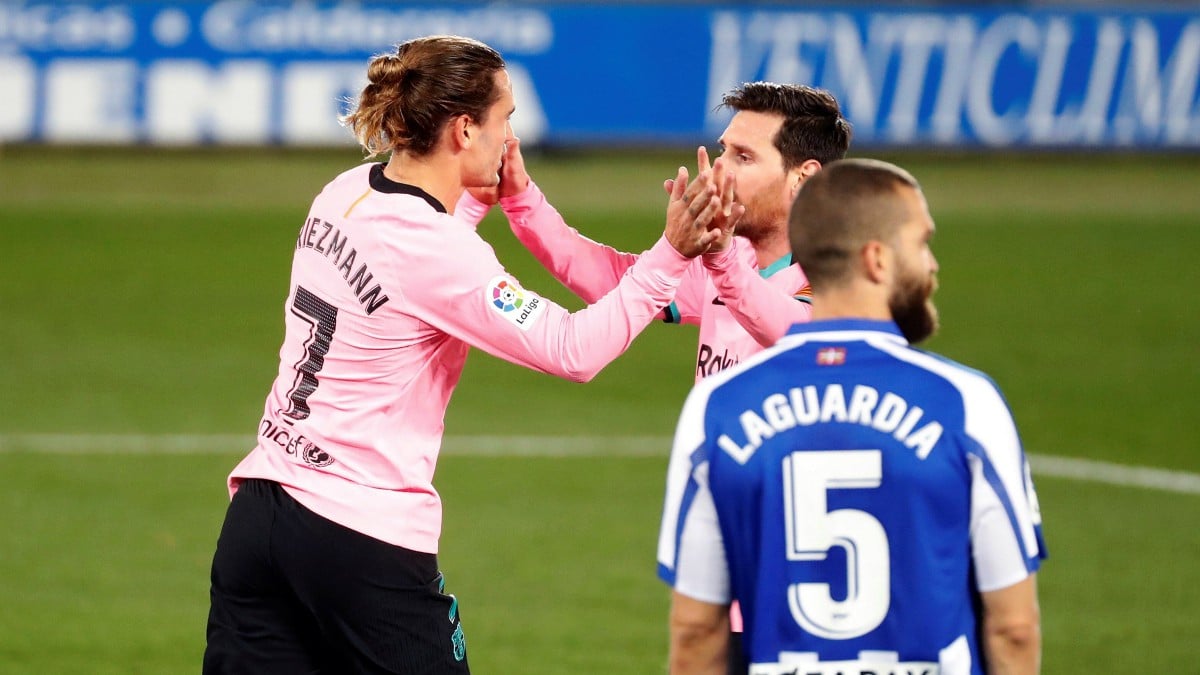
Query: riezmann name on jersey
point(324, 238)
point(805, 406)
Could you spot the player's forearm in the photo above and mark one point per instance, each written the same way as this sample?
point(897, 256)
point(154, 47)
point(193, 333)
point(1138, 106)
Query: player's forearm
point(1013, 648)
point(577, 346)
point(590, 269)
point(762, 310)
point(697, 651)
point(699, 636)
point(1011, 629)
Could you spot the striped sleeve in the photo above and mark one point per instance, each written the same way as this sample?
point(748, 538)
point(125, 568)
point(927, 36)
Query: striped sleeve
point(691, 553)
point(1006, 524)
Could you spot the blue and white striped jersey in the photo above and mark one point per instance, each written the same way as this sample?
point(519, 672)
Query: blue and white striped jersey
point(855, 495)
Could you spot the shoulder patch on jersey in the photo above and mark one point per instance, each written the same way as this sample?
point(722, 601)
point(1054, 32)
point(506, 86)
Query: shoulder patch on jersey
point(519, 306)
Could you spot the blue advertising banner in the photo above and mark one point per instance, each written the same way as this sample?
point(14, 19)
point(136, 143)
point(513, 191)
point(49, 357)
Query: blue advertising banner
point(241, 72)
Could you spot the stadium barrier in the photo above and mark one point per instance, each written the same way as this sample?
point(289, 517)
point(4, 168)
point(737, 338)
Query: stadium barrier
point(241, 72)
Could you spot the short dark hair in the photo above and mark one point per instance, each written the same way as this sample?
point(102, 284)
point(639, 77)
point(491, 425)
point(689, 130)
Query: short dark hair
point(412, 93)
point(841, 208)
point(813, 126)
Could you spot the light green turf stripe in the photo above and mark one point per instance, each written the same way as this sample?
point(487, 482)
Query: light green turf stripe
point(553, 446)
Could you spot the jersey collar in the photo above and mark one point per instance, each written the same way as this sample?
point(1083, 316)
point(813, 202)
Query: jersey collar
point(774, 267)
point(888, 328)
point(381, 183)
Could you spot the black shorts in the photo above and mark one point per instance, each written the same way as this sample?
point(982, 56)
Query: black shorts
point(293, 592)
point(738, 665)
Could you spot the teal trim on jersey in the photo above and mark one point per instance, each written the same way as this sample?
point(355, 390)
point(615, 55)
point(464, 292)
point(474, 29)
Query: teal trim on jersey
point(672, 314)
point(774, 267)
point(782, 263)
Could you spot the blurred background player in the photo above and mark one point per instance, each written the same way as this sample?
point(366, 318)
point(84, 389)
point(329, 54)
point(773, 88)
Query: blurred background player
point(748, 290)
point(869, 504)
point(327, 559)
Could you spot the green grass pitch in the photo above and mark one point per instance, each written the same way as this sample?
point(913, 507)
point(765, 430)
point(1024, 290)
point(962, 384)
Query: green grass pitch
point(142, 294)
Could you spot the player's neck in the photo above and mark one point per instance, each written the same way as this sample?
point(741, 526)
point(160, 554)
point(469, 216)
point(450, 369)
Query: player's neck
point(853, 302)
point(771, 248)
point(437, 175)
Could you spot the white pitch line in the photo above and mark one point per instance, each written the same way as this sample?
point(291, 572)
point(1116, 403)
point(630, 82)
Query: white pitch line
point(124, 444)
point(1115, 474)
point(467, 446)
point(551, 446)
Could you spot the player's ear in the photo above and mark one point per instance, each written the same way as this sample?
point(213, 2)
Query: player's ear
point(875, 258)
point(798, 175)
point(463, 131)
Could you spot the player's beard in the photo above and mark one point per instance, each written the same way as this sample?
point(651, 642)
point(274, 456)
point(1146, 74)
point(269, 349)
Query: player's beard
point(765, 214)
point(912, 307)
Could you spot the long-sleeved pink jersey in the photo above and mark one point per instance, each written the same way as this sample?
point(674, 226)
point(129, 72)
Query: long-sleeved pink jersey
point(388, 292)
point(739, 308)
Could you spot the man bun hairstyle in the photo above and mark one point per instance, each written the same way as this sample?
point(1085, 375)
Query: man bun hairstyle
point(813, 126)
point(841, 208)
point(411, 94)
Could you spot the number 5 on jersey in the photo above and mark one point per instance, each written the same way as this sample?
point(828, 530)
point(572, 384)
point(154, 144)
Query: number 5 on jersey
point(812, 530)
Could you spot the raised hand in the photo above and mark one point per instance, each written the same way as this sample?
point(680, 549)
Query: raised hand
point(725, 183)
point(691, 208)
point(730, 212)
point(513, 176)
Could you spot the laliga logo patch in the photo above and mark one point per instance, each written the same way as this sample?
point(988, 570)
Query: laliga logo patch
point(507, 296)
point(514, 303)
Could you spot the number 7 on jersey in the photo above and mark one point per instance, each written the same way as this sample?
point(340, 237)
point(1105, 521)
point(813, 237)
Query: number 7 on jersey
point(322, 318)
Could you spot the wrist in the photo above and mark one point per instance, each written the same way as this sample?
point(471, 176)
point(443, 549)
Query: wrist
point(515, 188)
point(721, 258)
point(526, 197)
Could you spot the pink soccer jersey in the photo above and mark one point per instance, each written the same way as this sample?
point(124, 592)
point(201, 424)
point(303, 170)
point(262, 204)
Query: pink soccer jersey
point(725, 337)
point(388, 291)
point(764, 315)
point(758, 306)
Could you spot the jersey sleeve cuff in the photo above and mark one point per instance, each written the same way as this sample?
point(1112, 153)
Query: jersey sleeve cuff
point(525, 200)
point(721, 260)
point(665, 259)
